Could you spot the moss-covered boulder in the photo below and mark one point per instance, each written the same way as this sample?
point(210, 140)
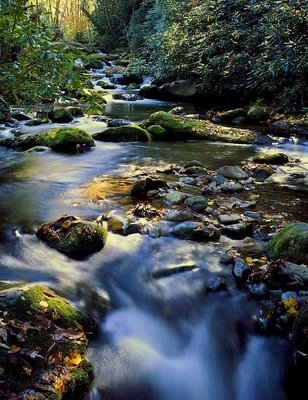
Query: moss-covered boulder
point(229, 116)
point(130, 133)
point(257, 114)
point(73, 236)
point(150, 92)
point(181, 89)
point(177, 129)
point(106, 85)
point(291, 242)
point(67, 139)
point(271, 158)
point(37, 121)
point(300, 329)
point(60, 115)
point(157, 132)
point(43, 344)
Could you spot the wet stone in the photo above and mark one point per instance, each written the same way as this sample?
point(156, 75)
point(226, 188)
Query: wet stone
point(143, 186)
point(259, 290)
point(177, 215)
point(237, 231)
point(178, 269)
point(266, 318)
point(231, 187)
point(194, 170)
point(241, 270)
point(174, 197)
point(232, 172)
point(196, 231)
point(196, 203)
point(253, 215)
point(118, 122)
point(217, 284)
point(229, 219)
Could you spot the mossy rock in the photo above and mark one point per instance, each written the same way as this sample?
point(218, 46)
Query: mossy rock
point(21, 143)
point(60, 115)
point(300, 329)
point(106, 85)
point(130, 133)
point(257, 114)
point(229, 116)
point(37, 121)
point(43, 332)
point(291, 242)
point(127, 79)
point(149, 92)
point(67, 139)
point(73, 236)
point(157, 132)
point(176, 128)
point(271, 158)
point(133, 86)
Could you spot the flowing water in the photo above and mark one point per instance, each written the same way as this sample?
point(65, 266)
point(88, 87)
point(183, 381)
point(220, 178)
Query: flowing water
point(163, 339)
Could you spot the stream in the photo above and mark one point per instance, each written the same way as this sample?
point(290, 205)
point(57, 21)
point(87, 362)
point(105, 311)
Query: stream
point(164, 339)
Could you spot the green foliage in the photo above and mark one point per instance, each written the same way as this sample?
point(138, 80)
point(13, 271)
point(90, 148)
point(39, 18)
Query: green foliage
point(33, 66)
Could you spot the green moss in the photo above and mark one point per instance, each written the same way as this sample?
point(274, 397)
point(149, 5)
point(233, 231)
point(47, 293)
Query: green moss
point(60, 115)
point(130, 133)
point(176, 129)
point(37, 121)
point(257, 114)
point(271, 158)
point(230, 115)
point(157, 132)
point(106, 85)
point(291, 242)
point(82, 378)
point(67, 139)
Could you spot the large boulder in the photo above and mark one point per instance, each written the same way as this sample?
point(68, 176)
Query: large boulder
point(257, 114)
point(73, 236)
point(60, 115)
point(131, 133)
point(43, 344)
point(150, 92)
point(181, 89)
point(291, 242)
point(271, 158)
point(229, 116)
point(67, 139)
point(157, 132)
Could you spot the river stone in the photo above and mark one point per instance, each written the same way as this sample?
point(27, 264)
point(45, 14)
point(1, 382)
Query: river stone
point(67, 140)
point(196, 203)
point(262, 173)
point(232, 172)
point(60, 115)
point(289, 270)
point(196, 231)
point(177, 215)
point(174, 197)
point(229, 116)
point(113, 123)
point(291, 242)
point(271, 158)
point(179, 89)
point(217, 284)
point(20, 116)
point(194, 170)
point(231, 187)
point(253, 215)
point(149, 92)
point(259, 290)
point(157, 132)
point(130, 133)
point(226, 219)
point(257, 114)
point(122, 225)
point(177, 111)
point(193, 163)
point(38, 149)
point(266, 318)
point(105, 85)
point(73, 236)
point(237, 231)
point(241, 270)
point(143, 186)
point(173, 270)
point(300, 329)
point(176, 129)
point(218, 179)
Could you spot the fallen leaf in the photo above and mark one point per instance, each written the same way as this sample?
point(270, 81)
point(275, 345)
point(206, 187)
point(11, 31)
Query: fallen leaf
point(291, 305)
point(14, 349)
point(43, 305)
point(73, 359)
point(53, 355)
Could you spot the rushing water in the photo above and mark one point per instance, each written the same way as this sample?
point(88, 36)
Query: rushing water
point(164, 339)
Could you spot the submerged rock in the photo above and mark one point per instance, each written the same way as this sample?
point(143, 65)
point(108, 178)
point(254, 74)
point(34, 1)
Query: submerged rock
point(114, 123)
point(241, 270)
point(217, 284)
point(142, 187)
point(291, 242)
point(131, 133)
point(196, 231)
point(271, 158)
point(73, 236)
point(44, 337)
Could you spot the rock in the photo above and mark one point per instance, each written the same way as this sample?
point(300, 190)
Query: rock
point(218, 179)
point(127, 79)
point(126, 96)
point(226, 219)
point(177, 269)
point(229, 116)
point(105, 85)
point(257, 114)
point(67, 140)
point(157, 132)
point(252, 248)
point(177, 111)
point(149, 92)
point(177, 130)
point(253, 215)
point(237, 231)
point(133, 86)
point(232, 172)
point(197, 231)
point(73, 236)
point(271, 158)
point(266, 319)
point(194, 170)
point(176, 215)
point(196, 203)
point(259, 290)
point(48, 332)
point(241, 270)
point(291, 270)
point(76, 111)
point(142, 187)
point(179, 89)
point(262, 173)
point(131, 133)
point(174, 197)
point(217, 284)
point(114, 123)
point(231, 187)
point(20, 116)
point(291, 242)
point(37, 122)
point(38, 149)
point(193, 163)
point(60, 115)
point(122, 225)
point(300, 329)
point(239, 121)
